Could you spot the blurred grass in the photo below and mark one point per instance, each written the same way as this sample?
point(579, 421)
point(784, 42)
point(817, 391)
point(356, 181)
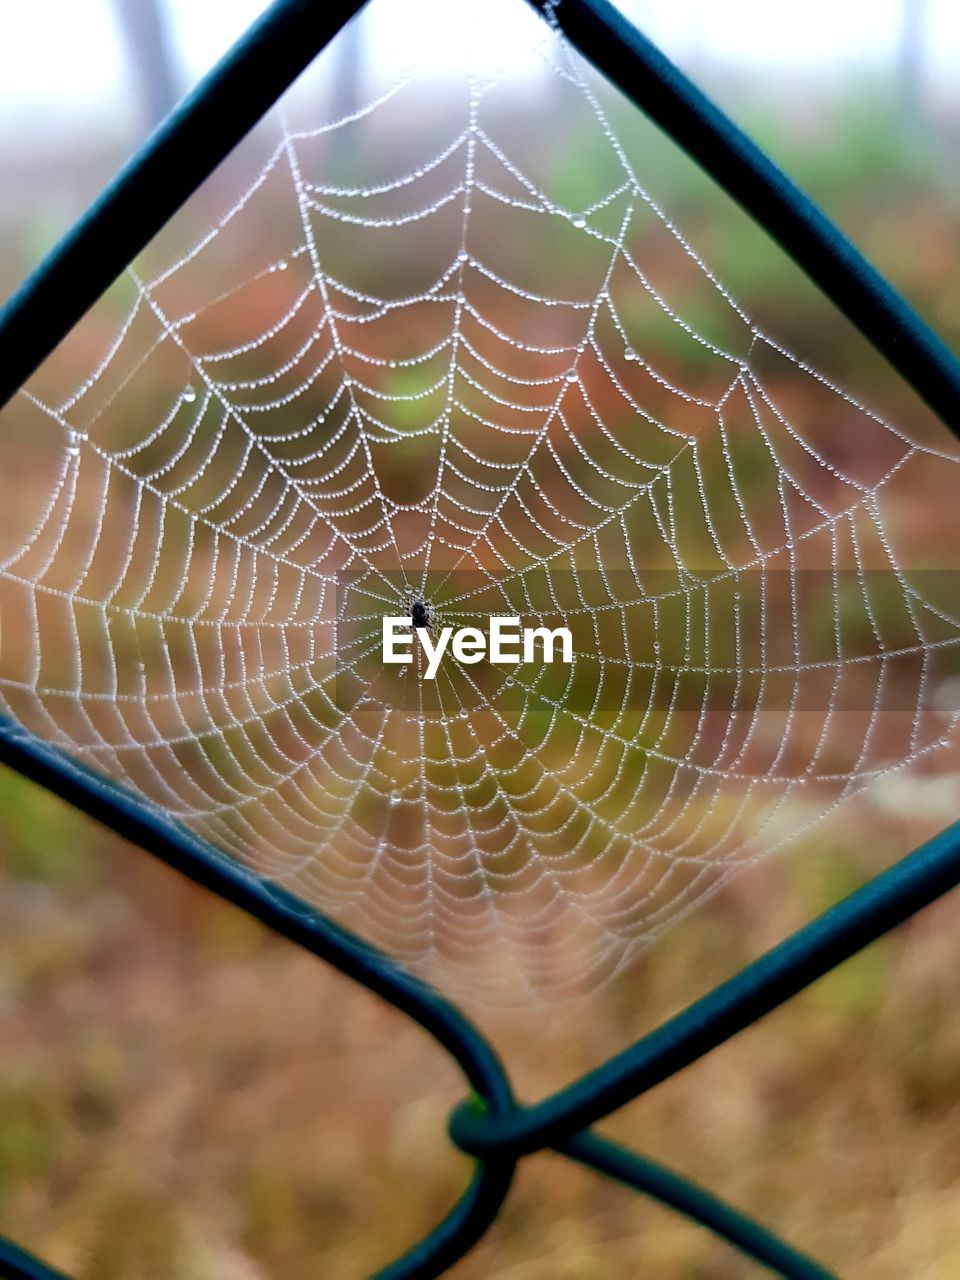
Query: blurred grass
point(184, 1097)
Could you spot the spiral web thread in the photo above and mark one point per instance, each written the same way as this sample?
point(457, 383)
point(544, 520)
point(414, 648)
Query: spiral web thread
point(453, 386)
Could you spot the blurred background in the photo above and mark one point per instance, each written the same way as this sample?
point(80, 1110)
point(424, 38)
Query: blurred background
point(181, 1095)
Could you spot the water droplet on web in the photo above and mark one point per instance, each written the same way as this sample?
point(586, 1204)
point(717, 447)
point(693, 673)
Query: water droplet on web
point(572, 375)
point(463, 257)
point(394, 797)
point(189, 395)
point(72, 450)
point(629, 353)
point(392, 364)
point(579, 222)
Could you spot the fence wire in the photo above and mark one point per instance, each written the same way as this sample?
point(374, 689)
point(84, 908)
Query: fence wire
point(493, 1126)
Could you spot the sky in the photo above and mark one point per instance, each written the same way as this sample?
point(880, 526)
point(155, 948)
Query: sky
point(57, 54)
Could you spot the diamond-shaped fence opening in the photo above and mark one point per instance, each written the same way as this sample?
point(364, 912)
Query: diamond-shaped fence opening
point(424, 371)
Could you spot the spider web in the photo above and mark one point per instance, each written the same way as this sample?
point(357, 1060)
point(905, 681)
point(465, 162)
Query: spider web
point(427, 356)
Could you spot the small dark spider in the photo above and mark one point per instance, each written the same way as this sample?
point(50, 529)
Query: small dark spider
point(420, 614)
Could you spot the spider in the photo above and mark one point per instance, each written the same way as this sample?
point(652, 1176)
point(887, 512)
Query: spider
point(421, 615)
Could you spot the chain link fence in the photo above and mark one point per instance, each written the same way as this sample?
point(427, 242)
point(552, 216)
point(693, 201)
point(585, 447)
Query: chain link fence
point(493, 1126)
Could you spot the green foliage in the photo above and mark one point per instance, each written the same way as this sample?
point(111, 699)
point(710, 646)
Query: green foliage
point(40, 837)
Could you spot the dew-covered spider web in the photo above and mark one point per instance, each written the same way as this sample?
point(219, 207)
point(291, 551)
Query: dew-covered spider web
point(445, 352)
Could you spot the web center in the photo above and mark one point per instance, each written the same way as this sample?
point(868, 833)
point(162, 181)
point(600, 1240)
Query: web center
point(420, 613)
